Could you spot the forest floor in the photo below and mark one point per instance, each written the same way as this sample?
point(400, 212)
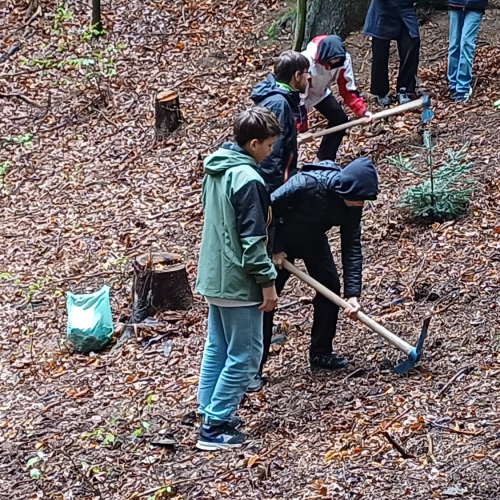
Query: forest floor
point(85, 188)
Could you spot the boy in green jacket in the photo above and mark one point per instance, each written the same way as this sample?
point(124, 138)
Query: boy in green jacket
point(235, 274)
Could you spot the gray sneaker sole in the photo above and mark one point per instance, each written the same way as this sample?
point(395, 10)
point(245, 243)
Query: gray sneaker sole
point(206, 446)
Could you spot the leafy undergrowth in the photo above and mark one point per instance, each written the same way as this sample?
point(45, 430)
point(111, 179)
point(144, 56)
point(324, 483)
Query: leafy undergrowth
point(84, 188)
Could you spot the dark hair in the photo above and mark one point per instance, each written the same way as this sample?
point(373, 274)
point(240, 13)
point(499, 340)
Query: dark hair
point(255, 123)
point(288, 63)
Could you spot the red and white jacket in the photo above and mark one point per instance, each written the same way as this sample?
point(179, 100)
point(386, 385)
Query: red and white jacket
point(322, 78)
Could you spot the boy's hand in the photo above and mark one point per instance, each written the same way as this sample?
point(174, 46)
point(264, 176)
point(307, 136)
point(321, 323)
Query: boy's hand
point(278, 259)
point(305, 137)
point(354, 307)
point(369, 116)
point(270, 299)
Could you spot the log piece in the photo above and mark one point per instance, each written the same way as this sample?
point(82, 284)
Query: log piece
point(159, 283)
point(168, 115)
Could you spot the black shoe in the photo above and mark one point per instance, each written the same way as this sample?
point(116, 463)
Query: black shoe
point(219, 437)
point(384, 101)
point(235, 421)
point(461, 97)
point(256, 384)
point(327, 362)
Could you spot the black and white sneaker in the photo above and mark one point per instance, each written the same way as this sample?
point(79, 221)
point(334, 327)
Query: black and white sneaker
point(327, 362)
point(219, 437)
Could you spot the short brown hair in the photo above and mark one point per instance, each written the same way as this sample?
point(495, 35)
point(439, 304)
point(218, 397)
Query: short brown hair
point(288, 63)
point(255, 123)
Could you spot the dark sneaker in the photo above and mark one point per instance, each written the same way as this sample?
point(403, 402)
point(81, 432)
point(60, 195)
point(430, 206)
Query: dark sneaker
point(327, 362)
point(219, 437)
point(235, 421)
point(384, 101)
point(256, 384)
point(461, 97)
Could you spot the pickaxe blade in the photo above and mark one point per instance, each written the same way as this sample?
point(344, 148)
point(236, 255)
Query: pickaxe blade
point(415, 354)
point(427, 113)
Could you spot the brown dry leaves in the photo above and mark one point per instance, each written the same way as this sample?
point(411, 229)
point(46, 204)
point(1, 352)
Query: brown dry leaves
point(88, 195)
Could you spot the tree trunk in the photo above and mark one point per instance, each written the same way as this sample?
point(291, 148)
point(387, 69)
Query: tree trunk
point(159, 284)
point(168, 115)
point(96, 15)
point(300, 25)
point(334, 17)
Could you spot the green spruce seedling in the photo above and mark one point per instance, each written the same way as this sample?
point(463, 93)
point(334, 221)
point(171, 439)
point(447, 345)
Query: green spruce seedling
point(444, 192)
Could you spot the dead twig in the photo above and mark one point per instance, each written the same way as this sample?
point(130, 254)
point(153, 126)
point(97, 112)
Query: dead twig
point(430, 448)
point(12, 50)
point(395, 419)
point(456, 431)
point(465, 369)
point(23, 98)
point(397, 446)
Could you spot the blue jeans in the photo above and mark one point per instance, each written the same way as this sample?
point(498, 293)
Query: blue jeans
point(464, 26)
point(231, 359)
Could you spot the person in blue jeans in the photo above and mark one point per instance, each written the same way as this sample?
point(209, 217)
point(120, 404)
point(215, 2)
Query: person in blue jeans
point(235, 274)
point(465, 19)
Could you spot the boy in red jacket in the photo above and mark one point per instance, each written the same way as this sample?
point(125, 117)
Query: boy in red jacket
point(329, 64)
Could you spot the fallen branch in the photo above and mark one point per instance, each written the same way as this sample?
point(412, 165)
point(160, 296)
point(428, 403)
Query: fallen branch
point(456, 431)
point(302, 301)
point(23, 98)
point(465, 369)
point(397, 446)
point(86, 276)
point(395, 419)
point(12, 50)
point(178, 209)
point(430, 448)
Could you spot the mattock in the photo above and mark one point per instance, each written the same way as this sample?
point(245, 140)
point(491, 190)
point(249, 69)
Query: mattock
point(413, 353)
point(423, 102)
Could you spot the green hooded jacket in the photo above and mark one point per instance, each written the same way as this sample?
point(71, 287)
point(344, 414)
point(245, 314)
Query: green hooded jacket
point(234, 263)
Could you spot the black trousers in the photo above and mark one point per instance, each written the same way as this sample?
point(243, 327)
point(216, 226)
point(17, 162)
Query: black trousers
point(319, 262)
point(408, 49)
point(333, 112)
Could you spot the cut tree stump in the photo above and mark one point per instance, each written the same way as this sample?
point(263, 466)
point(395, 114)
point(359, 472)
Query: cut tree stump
point(168, 115)
point(159, 284)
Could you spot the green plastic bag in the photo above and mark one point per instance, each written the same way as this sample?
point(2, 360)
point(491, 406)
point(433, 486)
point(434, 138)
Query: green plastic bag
point(90, 325)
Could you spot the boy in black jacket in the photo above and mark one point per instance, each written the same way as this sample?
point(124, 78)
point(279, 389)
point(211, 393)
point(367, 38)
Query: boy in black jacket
point(306, 207)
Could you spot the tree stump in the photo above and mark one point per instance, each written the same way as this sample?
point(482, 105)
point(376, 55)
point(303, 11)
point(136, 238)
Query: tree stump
point(159, 284)
point(168, 115)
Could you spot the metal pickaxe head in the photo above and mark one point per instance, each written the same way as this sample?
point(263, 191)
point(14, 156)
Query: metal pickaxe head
point(427, 112)
point(415, 354)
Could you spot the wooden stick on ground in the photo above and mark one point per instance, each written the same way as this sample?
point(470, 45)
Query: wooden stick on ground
point(465, 369)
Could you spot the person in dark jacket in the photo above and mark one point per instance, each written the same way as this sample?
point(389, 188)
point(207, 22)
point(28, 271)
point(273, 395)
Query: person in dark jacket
point(465, 19)
point(306, 207)
point(388, 20)
point(281, 94)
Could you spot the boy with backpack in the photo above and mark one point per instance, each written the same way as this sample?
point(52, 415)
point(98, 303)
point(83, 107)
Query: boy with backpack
point(235, 274)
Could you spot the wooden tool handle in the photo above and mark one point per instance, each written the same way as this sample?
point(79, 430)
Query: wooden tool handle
point(377, 116)
point(366, 320)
